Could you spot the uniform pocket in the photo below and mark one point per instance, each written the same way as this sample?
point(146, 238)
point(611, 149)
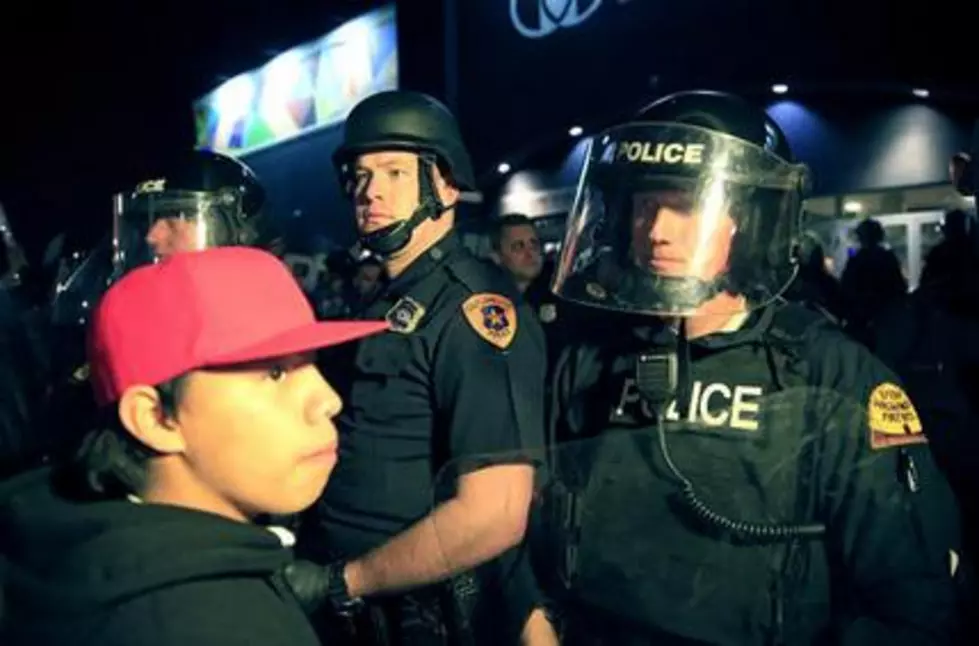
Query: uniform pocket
point(384, 356)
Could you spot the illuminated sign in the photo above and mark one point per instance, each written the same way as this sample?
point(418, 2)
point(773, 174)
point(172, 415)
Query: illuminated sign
point(552, 15)
point(308, 87)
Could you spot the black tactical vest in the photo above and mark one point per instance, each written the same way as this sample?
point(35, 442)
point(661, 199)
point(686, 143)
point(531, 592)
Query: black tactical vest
point(743, 439)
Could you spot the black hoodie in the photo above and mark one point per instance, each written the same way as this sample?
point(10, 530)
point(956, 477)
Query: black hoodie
point(119, 572)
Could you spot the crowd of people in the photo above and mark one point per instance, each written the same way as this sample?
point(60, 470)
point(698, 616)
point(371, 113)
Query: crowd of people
point(682, 429)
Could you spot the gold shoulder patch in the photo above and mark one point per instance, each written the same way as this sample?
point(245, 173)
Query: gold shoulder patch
point(892, 419)
point(492, 317)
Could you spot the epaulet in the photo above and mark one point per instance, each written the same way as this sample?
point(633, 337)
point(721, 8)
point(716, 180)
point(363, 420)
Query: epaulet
point(792, 323)
point(479, 276)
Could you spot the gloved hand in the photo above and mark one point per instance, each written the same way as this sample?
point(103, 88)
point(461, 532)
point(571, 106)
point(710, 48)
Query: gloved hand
point(310, 583)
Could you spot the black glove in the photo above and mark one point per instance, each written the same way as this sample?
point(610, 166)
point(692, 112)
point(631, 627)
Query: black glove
point(315, 585)
point(310, 583)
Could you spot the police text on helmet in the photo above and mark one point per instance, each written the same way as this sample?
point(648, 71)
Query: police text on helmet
point(650, 152)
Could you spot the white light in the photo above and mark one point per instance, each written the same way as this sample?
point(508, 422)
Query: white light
point(852, 206)
point(921, 93)
point(233, 102)
point(575, 131)
point(503, 168)
point(279, 80)
point(349, 67)
point(233, 99)
point(780, 88)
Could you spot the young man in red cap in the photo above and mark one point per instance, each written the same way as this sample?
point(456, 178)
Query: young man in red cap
point(217, 416)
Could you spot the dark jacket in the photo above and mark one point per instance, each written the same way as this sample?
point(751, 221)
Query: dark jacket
point(22, 386)
point(785, 421)
point(121, 572)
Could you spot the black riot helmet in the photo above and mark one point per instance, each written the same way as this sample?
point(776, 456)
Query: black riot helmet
point(399, 120)
point(699, 194)
point(204, 199)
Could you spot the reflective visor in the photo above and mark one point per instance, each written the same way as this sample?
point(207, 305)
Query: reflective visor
point(668, 216)
point(148, 226)
point(670, 149)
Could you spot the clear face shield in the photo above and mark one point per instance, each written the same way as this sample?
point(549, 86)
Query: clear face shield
point(81, 281)
point(669, 216)
point(148, 225)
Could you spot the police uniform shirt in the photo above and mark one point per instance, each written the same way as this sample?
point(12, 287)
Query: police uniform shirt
point(562, 321)
point(461, 374)
point(790, 430)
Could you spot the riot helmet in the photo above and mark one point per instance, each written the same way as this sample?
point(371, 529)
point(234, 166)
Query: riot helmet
point(402, 121)
point(698, 195)
point(205, 199)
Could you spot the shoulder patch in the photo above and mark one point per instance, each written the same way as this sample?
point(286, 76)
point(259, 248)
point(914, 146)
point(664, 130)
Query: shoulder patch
point(405, 315)
point(492, 317)
point(892, 419)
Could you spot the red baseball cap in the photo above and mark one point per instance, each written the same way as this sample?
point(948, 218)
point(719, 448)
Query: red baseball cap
point(198, 309)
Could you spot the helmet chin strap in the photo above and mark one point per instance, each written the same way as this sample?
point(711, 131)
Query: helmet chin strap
point(393, 238)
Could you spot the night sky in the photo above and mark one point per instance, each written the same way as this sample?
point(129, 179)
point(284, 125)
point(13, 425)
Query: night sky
point(93, 93)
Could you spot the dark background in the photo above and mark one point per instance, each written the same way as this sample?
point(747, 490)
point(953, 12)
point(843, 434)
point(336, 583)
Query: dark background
point(517, 93)
point(93, 94)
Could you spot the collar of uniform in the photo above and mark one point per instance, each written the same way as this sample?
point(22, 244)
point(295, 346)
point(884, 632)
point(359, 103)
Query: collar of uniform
point(733, 332)
point(425, 264)
point(751, 329)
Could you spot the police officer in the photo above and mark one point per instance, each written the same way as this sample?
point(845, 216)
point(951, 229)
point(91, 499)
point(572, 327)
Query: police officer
point(199, 200)
point(459, 377)
point(204, 199)
point(794, 500)
point(515, 247)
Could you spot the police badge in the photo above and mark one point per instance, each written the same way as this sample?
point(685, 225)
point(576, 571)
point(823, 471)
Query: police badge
point(547, 313)
point(405, 316)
